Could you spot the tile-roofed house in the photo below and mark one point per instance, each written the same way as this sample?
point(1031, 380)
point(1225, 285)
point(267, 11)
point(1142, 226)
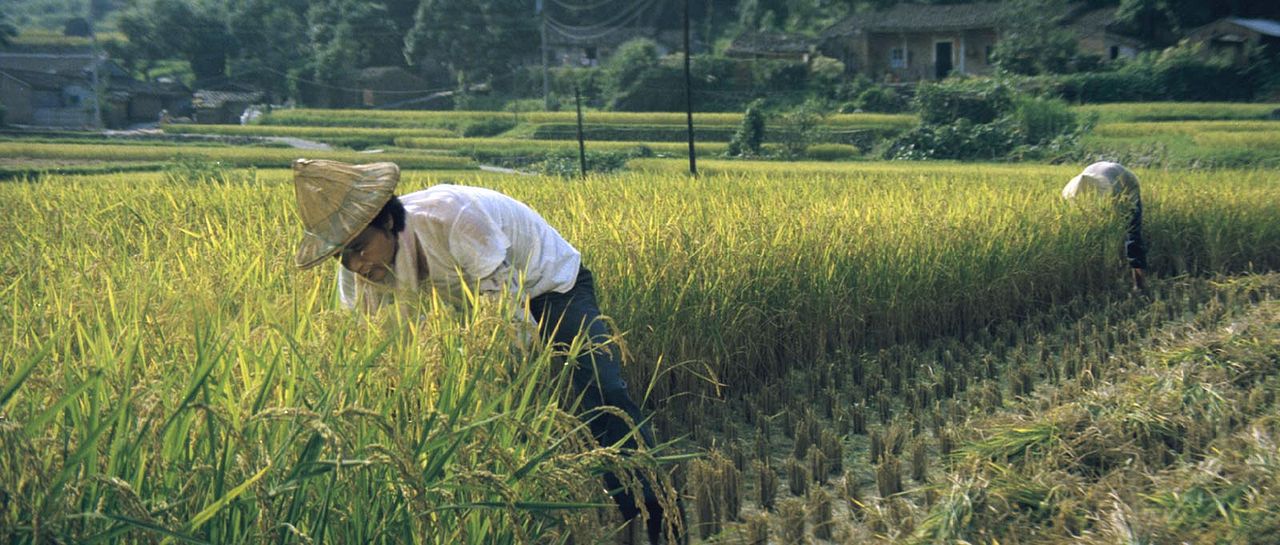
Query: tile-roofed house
point(56, 90)
point(771, 45)
point(1095, 34)
point(1234, 36)
point(223, 105)
point(909, 42)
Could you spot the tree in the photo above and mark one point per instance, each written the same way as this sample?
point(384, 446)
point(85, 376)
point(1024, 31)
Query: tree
point(274, 46)
point(1032, 43)
point(476, 39)
point(192, 30)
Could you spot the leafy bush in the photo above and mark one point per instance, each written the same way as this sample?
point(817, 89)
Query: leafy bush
point(977, 100)
point(750, 135)
point(803, 128)
point(831, 152)
point(625, 68)
point(962, 139)
point(1178, 73)
point(1042, 119)
point(880, 99)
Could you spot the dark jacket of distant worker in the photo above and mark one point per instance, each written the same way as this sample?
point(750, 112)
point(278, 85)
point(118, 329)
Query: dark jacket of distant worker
point(446, 236)
point(1112, 179)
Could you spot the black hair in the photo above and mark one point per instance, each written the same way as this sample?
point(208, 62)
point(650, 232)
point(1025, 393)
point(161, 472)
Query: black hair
point(393, 211)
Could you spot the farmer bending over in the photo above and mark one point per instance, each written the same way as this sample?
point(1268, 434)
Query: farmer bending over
point(446, 236)
point(1112, 179)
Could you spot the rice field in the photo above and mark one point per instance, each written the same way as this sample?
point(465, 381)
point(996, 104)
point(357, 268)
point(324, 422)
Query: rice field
point(308, 132)
point(240, 156)
point(451, 119)
point(1178, 111)
point(835, 327)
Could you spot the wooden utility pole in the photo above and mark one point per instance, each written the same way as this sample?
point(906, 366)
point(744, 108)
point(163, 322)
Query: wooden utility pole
point(688, 93)
point(546, 85)
point(582, 144)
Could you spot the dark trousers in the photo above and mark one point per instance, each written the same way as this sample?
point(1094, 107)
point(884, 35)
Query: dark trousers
point(597, 374)
point(1135, 249)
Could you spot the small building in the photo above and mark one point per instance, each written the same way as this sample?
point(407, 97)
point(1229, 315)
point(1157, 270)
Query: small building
point(1095, 35)
point(772, 45)
point(54, 90)
point(223, 105)
point(913, 42)
point(1234, 37)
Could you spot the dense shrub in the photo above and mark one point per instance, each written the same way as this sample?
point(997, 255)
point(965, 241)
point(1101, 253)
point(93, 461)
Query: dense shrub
point(962, 139)
point(1040, 120)
point(750, 135)
point(1178, 74)
point(831, 152)
point(881, 99)
point(977, 100)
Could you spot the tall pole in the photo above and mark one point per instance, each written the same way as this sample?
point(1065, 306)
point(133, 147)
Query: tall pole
point(93, 67)
point(688, 93)
point(582, 145)
point(546, 85)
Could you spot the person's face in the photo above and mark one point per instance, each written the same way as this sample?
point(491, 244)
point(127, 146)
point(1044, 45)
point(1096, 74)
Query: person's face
point(370, 253)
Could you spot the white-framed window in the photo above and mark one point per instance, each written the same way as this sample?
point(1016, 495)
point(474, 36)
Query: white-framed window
point(897, 58)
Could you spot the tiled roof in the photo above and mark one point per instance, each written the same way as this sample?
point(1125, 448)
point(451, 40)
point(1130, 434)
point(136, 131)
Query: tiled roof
point(51, 63)
point(205, 98)
point(921, 18)
point(752, 43)
point(1261, 26)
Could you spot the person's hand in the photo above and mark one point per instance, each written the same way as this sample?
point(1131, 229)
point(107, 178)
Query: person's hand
point(1139, 279)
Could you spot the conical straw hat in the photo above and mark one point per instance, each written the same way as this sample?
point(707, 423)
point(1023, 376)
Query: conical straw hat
point(336, 201)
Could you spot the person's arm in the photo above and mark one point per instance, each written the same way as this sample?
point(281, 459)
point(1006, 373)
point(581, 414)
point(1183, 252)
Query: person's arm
point(346, 288)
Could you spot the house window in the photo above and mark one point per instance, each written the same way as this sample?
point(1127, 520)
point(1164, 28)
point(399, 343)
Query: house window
point(897, 58)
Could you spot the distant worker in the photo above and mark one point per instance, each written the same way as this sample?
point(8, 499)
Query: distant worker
point(1112, 179)
point(447, 236)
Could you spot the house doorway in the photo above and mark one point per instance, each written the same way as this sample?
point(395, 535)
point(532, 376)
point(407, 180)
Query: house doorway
point(942, 59)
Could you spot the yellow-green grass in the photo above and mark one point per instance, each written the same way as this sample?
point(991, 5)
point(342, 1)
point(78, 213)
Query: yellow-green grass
point(173, 370)
point(1150, 128)
point(519, 146)
point(235, 156)
point(306, 132)
point(1178, 111)
point(410, 118)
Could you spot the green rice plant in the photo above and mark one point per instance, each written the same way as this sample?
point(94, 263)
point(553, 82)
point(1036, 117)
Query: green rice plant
point(1177, 111)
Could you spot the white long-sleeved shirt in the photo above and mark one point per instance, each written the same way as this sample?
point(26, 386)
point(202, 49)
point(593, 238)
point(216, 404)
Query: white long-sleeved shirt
point(460, 234)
